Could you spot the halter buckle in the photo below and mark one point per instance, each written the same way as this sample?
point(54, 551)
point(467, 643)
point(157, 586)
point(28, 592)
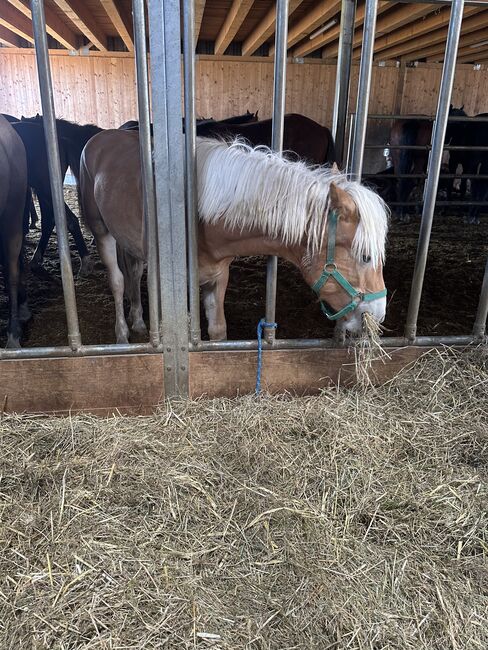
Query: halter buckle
point(330, 267)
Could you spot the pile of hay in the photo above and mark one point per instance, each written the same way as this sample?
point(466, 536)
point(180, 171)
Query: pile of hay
point(356, 519)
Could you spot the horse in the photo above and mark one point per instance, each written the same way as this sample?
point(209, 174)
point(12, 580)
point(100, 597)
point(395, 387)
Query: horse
point(13, 188)
point(303, 139)
point(236, 119)
point(251, 201)
point(71, 140)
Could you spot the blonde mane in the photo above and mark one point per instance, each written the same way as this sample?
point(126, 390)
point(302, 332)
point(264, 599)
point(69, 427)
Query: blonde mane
point(255, 188)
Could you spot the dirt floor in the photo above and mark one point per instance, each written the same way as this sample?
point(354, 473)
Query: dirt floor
point(454, 274)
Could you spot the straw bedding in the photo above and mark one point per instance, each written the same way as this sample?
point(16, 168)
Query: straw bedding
point(354, 519)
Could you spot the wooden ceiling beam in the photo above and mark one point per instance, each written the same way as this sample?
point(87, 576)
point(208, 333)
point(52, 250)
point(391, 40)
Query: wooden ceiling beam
point(319, 15)
point(8, 38)
point(470, 24)
point(79, 15)
point(15, 21)
point(55, 27)
point(199, 9)
point(465, 45)
point(121, 22)
point(267, 27)
point(475, 56)
point(232, 23)
point(393, 20)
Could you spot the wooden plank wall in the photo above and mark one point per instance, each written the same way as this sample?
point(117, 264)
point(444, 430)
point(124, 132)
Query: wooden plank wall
point(101, 89)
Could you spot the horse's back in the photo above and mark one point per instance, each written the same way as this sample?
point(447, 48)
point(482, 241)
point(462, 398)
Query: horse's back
point(13, 171)
point(111, 187)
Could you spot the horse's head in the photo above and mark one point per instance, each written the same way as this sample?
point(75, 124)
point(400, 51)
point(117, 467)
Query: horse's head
point(347, 271)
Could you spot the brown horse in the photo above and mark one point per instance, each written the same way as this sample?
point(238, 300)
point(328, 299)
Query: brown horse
point(13, 188)
point(251, 202)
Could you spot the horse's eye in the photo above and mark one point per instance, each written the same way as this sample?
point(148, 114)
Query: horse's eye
point(366, 259)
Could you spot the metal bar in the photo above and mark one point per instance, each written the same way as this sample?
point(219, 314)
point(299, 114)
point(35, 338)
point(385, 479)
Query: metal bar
point(343, 77)
point(479, 328)
point(54, 164)
point(305, 344)
point(428, 118)
point(144, 110)
point(164, 33)
point(350, 137)
point(191, 168)
point(434, 166)
point(426, 147)
point(279, 97)
point(82, 351)
point(364, 88)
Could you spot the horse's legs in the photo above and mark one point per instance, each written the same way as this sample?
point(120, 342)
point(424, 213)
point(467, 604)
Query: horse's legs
point(75, 230)
point(47, 227)
point(213, 293)
point(12, 250)
point(132, 269)
point(107, 249)
point(32, 210)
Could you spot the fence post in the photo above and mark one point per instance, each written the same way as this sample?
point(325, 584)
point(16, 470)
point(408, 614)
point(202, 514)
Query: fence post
point(279, 98)
point(479, 328)
point(144, 111)
point(434, 166)
point(343, 77)
point(364, 88)
point(164, 34)
point(56, 181)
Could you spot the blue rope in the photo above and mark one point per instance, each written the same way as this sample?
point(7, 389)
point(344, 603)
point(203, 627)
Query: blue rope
point(261, 325)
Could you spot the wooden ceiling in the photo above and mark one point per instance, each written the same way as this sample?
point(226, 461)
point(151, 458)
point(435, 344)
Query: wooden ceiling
point(405, 32)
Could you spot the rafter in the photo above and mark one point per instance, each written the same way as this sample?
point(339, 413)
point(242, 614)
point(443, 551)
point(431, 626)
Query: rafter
point(199, 9)
point(266, 28)
point(417, 43)
point(55, 27)
point(393, 20)
point(232, 23)
point(476, 56)
point(8, 38)
point(465, 45)
point(121, 22)
point(79, 15)
point(15, 21)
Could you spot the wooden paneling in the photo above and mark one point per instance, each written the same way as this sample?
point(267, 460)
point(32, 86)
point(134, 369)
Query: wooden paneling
point(127, 383)
point(101, 89)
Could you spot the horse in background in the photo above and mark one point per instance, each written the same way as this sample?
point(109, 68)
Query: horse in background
point(250, 202)
point(236, 119)
point(303, 139)
point(13, 188)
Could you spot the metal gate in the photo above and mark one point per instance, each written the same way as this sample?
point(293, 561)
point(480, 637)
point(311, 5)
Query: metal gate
point(168, 168)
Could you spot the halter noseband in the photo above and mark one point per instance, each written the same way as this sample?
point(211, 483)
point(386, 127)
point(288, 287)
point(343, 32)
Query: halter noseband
point(330, 271)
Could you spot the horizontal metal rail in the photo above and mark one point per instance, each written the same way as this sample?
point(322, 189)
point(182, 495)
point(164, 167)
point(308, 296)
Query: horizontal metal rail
point(429, 118)
point(83, 351)
point(426, 147)
point(305, 344)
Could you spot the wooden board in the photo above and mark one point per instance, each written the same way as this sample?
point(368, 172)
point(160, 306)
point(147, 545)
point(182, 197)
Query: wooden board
point(301, 372)
point(129, 384)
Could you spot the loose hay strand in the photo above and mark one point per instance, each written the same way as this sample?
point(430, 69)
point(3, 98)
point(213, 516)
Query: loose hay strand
point(352, 519)
point(368, 350)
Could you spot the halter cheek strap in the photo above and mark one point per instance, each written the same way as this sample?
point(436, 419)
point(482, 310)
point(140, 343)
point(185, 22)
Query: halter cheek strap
point(331, 271)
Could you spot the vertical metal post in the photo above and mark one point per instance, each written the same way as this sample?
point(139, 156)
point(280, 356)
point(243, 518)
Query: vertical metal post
point(56, 180)
point(364, 88)
point(279, 97)
point(434, 166)
point(479, 328)
point(343, 77)
point(191, 171)
point(144, 111)
point(164, 20)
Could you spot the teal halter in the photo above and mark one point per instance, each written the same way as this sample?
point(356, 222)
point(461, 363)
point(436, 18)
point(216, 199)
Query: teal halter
point(330, 271)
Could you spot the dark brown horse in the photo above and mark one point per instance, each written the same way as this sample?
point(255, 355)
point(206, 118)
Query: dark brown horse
point(13, 187)
point(303, 138)
point(133, 125)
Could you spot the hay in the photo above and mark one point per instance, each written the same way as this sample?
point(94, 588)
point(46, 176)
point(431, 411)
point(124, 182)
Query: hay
point(355, 519)
point(368, 350)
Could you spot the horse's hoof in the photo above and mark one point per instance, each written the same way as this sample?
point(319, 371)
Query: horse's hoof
point(13, 342)
point(87, 266)
point(139, 328)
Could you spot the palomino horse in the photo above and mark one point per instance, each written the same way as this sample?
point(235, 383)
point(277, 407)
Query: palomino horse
point(13, 188)
point(250, 202)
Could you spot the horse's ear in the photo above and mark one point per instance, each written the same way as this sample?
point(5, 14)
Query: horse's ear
point(256, 114)
point(337, 196)
point(462, 108)
point(335, 168)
